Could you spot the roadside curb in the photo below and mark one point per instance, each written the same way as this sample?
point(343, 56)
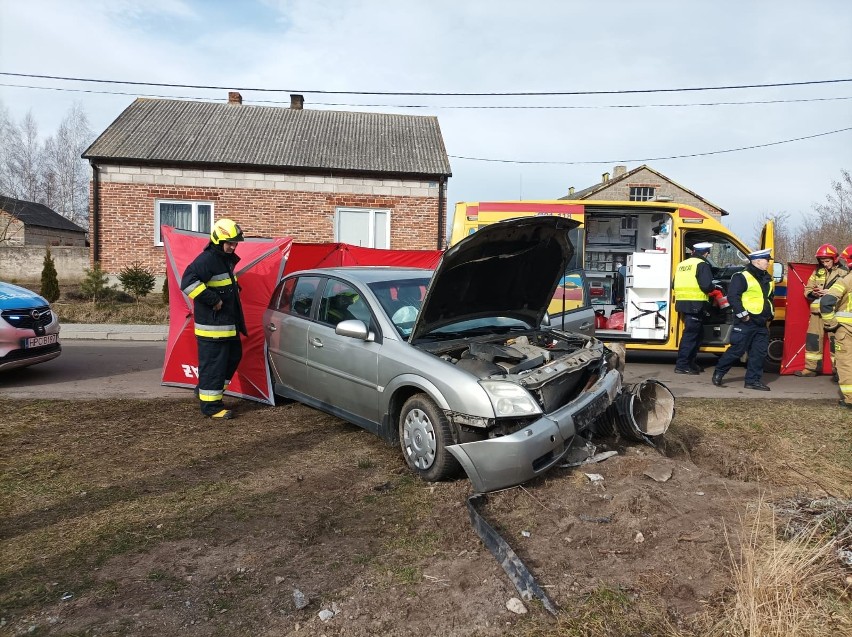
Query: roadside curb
point(102, 332)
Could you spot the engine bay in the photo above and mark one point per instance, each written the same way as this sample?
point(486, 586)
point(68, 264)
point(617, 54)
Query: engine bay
point(552, 366)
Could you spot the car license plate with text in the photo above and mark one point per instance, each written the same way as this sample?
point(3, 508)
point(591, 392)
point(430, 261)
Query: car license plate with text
point(40, 341)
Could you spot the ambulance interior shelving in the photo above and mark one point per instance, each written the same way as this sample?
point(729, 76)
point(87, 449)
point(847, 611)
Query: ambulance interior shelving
point(628, 265)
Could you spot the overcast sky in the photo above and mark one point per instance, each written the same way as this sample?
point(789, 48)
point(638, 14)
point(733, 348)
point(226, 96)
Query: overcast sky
point(490, 46)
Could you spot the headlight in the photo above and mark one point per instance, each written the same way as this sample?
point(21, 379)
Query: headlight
point(509, 399)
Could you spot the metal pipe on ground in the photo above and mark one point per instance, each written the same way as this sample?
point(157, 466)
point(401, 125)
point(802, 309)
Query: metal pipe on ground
point(639, 412)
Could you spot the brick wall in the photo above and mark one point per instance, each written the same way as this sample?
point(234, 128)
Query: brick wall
point(264, 205)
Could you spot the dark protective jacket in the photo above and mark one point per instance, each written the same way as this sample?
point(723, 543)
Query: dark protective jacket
point(207, 280)
point(738, 286)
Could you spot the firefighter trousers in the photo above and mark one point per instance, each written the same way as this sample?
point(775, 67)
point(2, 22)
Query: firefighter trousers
point(217, 362)
point(813, 345)
point(843, 360)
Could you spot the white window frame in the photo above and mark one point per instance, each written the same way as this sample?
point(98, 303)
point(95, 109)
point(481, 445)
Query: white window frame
point(340, 210)
point(641, 193)
point(158, 240)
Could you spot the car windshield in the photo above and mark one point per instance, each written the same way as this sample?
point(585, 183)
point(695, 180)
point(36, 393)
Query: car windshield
point(401, 301)
point(482, 325)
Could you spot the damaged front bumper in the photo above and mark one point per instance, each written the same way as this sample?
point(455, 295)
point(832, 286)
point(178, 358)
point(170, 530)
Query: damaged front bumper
point(510, 460)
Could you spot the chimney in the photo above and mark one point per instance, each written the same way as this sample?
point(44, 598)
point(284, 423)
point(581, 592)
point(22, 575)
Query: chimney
point(234, 98)
point(297, 102)
point(618, 171)
point(604, 178)
point(571, 190)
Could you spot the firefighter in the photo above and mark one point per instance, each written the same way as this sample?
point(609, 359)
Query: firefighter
point(212, 285)
point(750, 295)
point(836, 312)
point(828, 270)
point(693, 283)
point(846, 255)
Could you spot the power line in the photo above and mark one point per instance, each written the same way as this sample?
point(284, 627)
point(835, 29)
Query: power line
point(647, 159)
point(433, 106)
point(421, 93)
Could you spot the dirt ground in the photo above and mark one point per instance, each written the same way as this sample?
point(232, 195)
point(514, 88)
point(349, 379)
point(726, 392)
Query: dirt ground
point(140, 518)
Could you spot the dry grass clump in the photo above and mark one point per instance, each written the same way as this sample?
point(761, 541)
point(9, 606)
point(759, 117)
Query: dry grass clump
point(784, 587)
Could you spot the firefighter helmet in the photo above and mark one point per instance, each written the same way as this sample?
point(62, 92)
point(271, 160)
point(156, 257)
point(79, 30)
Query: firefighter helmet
point(827, 251)
point(846, 255)
point(227, 230)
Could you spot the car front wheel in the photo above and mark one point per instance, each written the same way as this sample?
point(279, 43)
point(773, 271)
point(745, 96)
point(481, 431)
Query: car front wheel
point(424, 434)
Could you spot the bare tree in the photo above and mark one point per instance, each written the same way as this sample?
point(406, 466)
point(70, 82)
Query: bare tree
point(66, 178)
point(831, 222)
point(785, 248)
point(51, 173)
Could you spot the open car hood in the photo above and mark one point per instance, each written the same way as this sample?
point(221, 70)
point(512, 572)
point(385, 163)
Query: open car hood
point(508, 269)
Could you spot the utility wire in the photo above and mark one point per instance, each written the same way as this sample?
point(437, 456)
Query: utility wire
point(647, 159)
point(430, 106)
point(420, 93)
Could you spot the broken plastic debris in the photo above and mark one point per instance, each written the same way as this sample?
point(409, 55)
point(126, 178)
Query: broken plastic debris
point(660, 474)
point(594, 477)
point(639, 538)
point(325, 614)
point(516, 606)
point(66, 596)
point(699, 493)
point(525, 533)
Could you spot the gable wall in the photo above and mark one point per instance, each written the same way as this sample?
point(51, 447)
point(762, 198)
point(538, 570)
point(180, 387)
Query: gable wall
point(268, 205)
point(11, 230)
point(620, 191)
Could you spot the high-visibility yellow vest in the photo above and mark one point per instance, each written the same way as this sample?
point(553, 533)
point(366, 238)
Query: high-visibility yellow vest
point(686, 282)
point(753, 298)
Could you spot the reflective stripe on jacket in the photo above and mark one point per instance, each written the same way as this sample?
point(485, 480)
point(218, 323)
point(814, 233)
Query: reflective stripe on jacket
point(208, 280)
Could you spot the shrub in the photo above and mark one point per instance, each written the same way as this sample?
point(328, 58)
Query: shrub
point(137, 280)
point(166, 290)
point(94, 284)
point(49, 281)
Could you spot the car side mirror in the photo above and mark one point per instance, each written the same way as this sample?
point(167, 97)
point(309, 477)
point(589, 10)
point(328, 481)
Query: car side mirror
point(777, 271)
point(353, 328)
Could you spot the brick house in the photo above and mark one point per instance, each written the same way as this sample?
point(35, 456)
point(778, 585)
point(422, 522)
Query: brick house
point(370, 179)
point(643, 184)
point(26, 223)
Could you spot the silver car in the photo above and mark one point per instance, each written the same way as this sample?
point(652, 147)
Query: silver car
point(457, 366)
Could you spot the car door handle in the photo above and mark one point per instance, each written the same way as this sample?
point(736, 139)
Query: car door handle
point(316, 342)
point(585, 326)
point(271, 327)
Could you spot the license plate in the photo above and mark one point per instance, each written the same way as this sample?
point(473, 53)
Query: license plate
point(41, 341)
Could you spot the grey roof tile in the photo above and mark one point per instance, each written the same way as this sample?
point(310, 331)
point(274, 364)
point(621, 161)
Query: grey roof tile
point(36, 214)
point(174, 131)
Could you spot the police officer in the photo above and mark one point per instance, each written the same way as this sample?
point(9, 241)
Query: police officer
point(828, 270)
point(212, 285)
point(836, 313)
point(693, 283)
point(750, 295)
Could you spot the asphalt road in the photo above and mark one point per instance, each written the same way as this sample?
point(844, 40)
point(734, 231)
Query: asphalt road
point(129, 369)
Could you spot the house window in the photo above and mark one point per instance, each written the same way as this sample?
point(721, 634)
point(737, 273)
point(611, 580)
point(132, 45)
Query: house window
point(641, 193)
point(184, 215)
point(365, 227)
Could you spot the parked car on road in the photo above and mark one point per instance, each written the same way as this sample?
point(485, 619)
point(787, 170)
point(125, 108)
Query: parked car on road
point(457, 366)
point(29, 329)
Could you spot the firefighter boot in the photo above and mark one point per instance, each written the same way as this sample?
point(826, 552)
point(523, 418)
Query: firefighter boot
point(805, 373)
